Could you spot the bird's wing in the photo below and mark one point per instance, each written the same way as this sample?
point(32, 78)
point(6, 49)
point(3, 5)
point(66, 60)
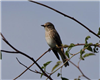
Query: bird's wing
point(55, 52)
point(57, 39)
point(61, 50)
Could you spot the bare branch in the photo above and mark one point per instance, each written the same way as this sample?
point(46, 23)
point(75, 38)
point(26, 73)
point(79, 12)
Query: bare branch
point(28, 68)
point(33, 63)
point(66, 16)
point(9, 51)
point(4, 39)
point(24, 65)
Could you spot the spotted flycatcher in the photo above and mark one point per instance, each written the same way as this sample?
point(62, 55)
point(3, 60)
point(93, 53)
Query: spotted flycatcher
point(53, 40)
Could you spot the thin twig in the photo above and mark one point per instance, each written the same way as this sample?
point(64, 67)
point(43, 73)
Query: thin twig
point(28, 68)
point(66, 16)
point(9, 51)
point(79, 44)
point(4, 39)
point(24, 65)
point(79, 62)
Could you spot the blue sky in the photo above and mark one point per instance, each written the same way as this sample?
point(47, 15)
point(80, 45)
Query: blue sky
point(21, 25)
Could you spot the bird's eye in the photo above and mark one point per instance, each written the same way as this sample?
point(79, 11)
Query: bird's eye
point(48, 25)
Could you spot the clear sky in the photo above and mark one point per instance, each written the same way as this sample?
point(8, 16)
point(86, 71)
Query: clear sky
point(21, 25)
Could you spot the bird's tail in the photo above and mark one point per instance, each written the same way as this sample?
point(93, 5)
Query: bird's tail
point(61, 52)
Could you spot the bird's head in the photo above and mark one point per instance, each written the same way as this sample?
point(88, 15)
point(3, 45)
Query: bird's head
point(48, 25)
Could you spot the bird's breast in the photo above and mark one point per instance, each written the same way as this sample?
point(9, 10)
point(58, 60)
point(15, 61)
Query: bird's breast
point(49, 39)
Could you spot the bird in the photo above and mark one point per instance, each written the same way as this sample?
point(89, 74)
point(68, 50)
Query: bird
point(53, 40)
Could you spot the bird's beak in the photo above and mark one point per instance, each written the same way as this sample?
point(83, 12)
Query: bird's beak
point(42, 25)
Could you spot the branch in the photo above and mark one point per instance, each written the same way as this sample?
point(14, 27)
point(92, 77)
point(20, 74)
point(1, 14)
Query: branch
point(33, 63)
point(27, 67)
point(66, 16)
point(9, 51)
point(4, 39)
point(24, 65)
point(80, 70)
point(78, 44)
